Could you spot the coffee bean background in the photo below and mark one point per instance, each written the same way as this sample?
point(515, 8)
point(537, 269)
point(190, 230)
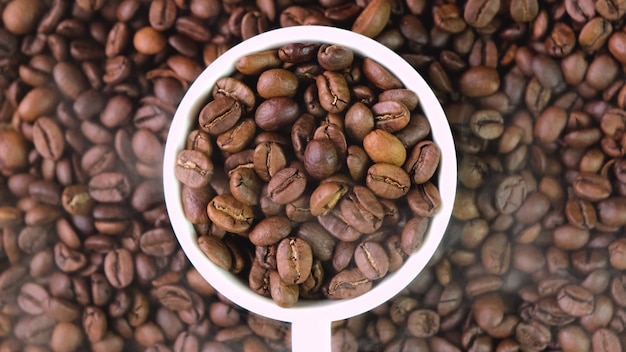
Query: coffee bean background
point(534, 258)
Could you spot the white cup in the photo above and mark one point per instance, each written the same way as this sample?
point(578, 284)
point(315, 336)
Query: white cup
point(311, 320)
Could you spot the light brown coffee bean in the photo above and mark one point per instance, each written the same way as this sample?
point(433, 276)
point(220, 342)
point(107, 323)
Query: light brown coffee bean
point(294, 260)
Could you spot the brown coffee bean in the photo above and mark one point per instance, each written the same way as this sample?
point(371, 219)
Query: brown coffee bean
point(119, 268)
point(424, 200)
point(510, 194)
point(158, 242)
point(391, 115)
point(594, 34)
point(220, 115)
point(496, 254)
point(193, 168)
point(479, 81)
point(162, 14)
point(423, 323)
point(326, 196)
point(591, 186)
point(348, 283)
point(34, 329)
point(373, 19)
point(298, 52)
point(334, 223)
point(478, 13)
point(575, 300)
point(333, 91)
point(286, 185)
point(216, 251)
point(294, 260)
point(423, 161)
point(605, 339)
point(335, 57)
point(284, 294)
point(48, 138)
point(270, 231)
point(322, 243)
point(33, 299)
point(245, 185)
point(568, 237)
point(253, 64)
point(276, 113)
point(277, 83)
point(380, 76)
point(321, 158)
point(388, 181)
point(109, 187)
point(413, 234)
point(359, 121)
point(268, 160)
point(381, 146)
point(372, 260)
point(230, 214)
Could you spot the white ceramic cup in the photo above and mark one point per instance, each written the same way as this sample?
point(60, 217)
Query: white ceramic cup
point(311, 320)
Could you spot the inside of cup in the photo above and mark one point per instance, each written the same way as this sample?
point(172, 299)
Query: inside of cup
point(227, 283)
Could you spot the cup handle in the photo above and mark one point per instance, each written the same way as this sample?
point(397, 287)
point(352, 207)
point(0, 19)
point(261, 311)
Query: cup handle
point(311, 334)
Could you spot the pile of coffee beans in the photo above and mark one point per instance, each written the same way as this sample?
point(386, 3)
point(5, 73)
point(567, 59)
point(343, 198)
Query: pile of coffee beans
point(532, 260)
point(329, 174)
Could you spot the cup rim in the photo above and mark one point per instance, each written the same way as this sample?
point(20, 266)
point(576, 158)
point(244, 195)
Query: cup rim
point(225, 282)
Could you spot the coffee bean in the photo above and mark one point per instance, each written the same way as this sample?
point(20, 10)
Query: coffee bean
point(284, 294)
point(276, 113)
point(294, 260)
point(286, 185)
point(109, 187)
point(270, 231)
point(118, 267)
point(373, 18)
point(333, 91)
point(277, 83)
point(372, 260)
point(423, 323)
point(230, 214)
point(387, 181)
point(479, 81)
point(193, 168)
point(348, 283)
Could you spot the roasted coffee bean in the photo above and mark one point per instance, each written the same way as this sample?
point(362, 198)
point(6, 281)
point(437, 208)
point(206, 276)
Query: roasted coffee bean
point(277, 83)
point(230, 214)
point(372, 19)
point(388, 181)
point(333, 91)
point(245, 185)
point(118, 267)
point(220, 115)
point(298, 52)
point(48, 138)
point(216, 251)
point(276, 113)
point(269, 158)
point(423, 323)
point(372, 260)
point(284, 294)
point(294, 260)
point(321, 158)
point(286, 185)
point(193, 168)
point(383, 147)
point(379, 75)
point(391, 115)
point(270, 231)
point(253, 64)
point(348, 283)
